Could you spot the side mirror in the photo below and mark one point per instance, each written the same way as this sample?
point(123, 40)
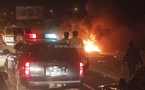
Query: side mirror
point(122, 83)
point(5, 75)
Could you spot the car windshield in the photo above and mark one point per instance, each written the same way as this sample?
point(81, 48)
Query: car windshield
point(44, 49)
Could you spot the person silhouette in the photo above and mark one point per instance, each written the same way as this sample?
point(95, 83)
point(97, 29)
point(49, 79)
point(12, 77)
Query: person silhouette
point(132, 57)
point(65, 38)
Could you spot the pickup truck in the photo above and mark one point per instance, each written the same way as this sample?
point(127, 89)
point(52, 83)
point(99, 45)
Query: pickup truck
point(45, 65)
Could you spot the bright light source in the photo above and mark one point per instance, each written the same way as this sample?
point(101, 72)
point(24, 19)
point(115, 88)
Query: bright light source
point(90, 45)
point(32, 35)
point(50, 36)
point(51, 10)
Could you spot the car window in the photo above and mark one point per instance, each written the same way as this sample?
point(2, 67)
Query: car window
point(53, 52)
point(28, 30)
point(18, 30)
point(9, 31)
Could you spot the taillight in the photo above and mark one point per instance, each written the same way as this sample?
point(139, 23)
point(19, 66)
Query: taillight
point(30, 36)
point(26, 69)
point(81, 69)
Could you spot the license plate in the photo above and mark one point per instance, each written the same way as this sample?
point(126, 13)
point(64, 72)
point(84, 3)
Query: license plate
point(55, 71)
point(52, 85)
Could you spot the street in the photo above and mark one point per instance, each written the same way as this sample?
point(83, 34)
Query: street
point(104, 69)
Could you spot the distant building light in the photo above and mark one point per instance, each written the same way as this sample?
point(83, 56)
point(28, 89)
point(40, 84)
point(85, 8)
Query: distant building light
point(51, 10)
point(76, 9)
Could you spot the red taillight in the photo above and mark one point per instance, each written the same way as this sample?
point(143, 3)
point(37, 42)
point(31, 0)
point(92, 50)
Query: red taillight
point(32, 36)
point(81, 69)
point(27, 69)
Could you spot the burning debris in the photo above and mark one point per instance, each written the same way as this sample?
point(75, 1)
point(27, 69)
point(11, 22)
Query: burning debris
point(91, 47)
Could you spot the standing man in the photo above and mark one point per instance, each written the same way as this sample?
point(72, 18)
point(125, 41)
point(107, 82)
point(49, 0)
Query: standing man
point(78, 42)
point(132, 57)
point(66, 36)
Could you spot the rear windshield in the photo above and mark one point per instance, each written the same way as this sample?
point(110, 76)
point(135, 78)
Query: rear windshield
point(18, 30)
point(53, 51)
point(14, 30)
point(28, 30)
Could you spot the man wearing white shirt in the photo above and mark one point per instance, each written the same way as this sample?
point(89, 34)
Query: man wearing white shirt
point(77, 43)
point(75, 40)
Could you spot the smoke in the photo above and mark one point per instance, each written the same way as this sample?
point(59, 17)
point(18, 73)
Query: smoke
point(109, 24)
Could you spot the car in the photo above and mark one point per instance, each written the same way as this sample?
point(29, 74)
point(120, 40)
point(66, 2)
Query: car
point(45, 64)
point(13, 34)
point(3, 81)
point(137, 82)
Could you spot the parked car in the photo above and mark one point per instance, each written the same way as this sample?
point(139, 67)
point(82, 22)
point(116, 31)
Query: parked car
point(45, 65)
point(137, 82)
point(3, 81)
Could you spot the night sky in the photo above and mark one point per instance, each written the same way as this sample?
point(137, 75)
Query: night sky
point(113, 23)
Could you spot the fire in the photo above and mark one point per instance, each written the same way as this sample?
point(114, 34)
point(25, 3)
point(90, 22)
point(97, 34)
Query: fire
point(90, 45)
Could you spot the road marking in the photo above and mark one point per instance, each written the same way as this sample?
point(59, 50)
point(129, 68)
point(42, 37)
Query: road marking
point(89, 87)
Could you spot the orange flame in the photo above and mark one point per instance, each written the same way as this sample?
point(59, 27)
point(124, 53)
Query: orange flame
point(90, 45)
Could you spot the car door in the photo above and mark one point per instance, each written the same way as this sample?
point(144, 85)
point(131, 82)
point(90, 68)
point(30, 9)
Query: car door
point(12, 59)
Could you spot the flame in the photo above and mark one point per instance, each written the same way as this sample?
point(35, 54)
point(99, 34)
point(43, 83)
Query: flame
point(90, 45)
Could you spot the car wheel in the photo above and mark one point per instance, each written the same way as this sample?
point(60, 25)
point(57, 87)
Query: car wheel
point(19, 86)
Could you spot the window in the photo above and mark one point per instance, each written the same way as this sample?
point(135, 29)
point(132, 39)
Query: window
point(18, 30)
point(47, 50)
